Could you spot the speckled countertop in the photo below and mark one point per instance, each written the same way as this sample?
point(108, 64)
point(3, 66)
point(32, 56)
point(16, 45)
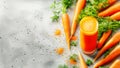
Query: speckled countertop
point(27, 35)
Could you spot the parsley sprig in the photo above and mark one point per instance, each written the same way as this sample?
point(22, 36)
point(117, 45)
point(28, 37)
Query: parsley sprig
point(59, 7)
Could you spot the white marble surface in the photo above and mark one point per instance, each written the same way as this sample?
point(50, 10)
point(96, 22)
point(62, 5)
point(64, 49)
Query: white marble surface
point(27, 35)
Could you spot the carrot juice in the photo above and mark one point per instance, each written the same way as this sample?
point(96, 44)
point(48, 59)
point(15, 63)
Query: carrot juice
point(88, 34)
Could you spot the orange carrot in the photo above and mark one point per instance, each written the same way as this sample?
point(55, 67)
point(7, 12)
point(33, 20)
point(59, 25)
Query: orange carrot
point(82, 61)
point(79, 6)
point(111, 10)
point(66, 25)
point(114, 53)
point(60, 50)
point(104, 38)
point(111, 1)
point(116, 64)
point(114, 40)
point(116, 16)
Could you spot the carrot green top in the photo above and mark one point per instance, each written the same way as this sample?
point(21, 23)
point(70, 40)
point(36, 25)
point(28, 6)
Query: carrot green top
point(89, 25)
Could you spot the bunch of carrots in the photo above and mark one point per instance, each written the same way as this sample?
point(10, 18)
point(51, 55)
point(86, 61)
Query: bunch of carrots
point(113, 11)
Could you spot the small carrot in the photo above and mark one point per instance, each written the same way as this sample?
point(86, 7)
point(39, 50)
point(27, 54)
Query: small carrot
point(111, 10)
point(79, 6)
point(60, 50)
point(115, 52)
point(114, 40)
point(116, 64)
point(104, 38)
point(82, 61)
point(116, 16)
point(66, 25)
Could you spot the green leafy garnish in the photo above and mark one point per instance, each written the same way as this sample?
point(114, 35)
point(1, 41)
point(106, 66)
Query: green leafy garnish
point(56, 9)
point(103, 67)
point(89, 62)
point(73, 43)
point(74, 57)
point(63, 66)
point(67, 3)
point(75, 66)
point(55, 17)
point(59, 7)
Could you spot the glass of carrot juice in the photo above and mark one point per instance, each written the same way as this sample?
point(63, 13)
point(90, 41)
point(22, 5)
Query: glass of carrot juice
point(88, 34)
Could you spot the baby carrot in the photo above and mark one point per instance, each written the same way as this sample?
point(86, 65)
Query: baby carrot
point(114, 40)
point(115, 52)
point(104, 38)
point(79, 6)
point(116, 16)
point(111, 10)
point(66, 25)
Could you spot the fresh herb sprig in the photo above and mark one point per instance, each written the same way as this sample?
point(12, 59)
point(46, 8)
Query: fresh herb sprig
point(59, 7)
point(56, 9)
point(74, 57)
point(63, 66)
point(89, 62)
point(73, 43)
point(103, 67)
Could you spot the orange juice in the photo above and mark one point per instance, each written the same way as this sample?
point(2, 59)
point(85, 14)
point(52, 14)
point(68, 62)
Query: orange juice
point(88, 34)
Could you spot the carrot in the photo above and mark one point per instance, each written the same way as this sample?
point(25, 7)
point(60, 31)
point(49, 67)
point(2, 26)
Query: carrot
point(111, 10)
point(82, 61)
point(79, 6)
point(60, 50)
point(114, 40)
point(116, 16)
point(114, 53)
point(66, 25)
point(104, 38)
point(110, 2)
point(116, 64)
